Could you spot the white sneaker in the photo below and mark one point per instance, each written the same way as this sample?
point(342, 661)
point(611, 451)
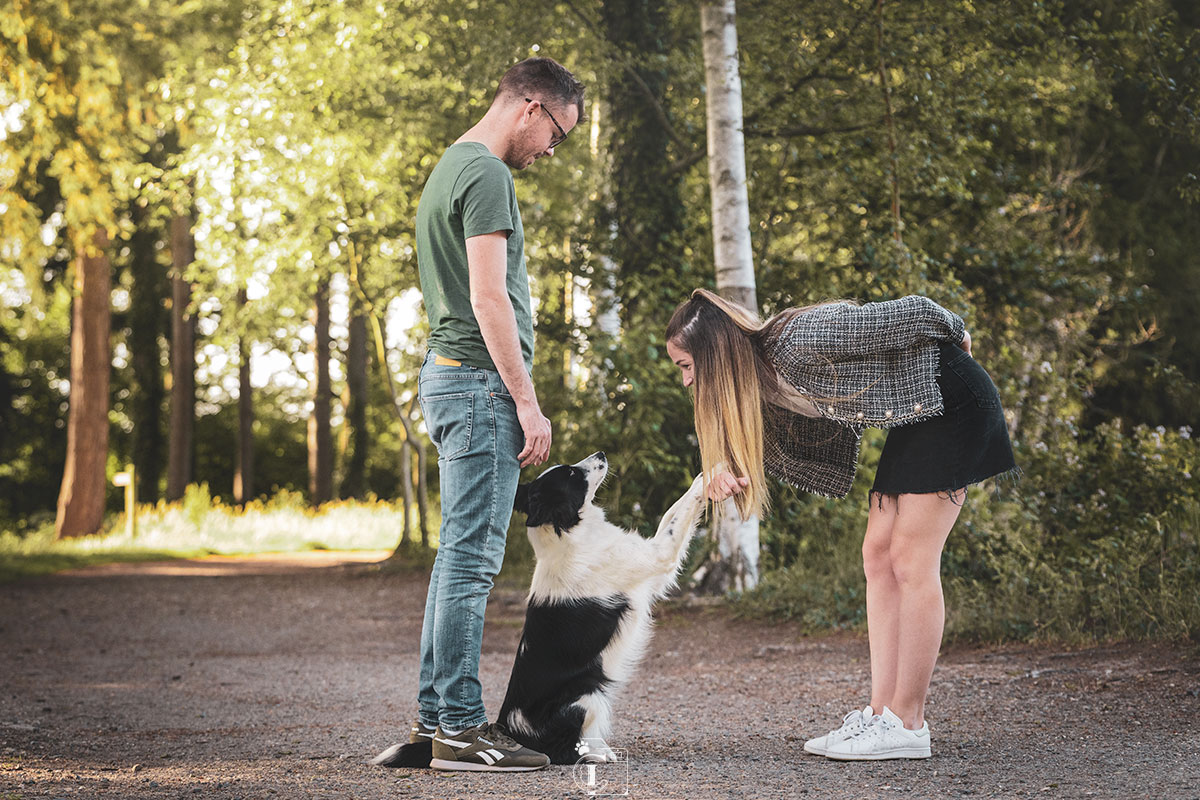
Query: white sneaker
point(852, 723)
point(883, 737)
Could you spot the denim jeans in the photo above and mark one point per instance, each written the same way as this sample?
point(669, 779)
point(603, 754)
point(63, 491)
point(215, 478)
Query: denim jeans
point(472, 420)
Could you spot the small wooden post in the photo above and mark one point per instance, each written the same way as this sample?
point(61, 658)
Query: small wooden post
point(126, 479)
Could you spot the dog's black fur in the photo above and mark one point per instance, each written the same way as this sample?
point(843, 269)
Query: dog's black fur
point(557, 663)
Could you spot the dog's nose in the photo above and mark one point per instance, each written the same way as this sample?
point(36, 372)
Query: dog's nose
point(600, 455)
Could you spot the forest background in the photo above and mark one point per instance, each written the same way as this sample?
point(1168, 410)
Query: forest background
point(206, 249)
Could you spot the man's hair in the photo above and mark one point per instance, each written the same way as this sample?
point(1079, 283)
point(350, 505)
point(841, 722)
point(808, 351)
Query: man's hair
point(542, 79)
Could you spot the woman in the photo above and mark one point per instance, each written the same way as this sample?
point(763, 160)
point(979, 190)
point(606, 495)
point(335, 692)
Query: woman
point(791, 397)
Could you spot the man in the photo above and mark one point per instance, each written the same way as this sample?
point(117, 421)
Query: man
point(477, 395)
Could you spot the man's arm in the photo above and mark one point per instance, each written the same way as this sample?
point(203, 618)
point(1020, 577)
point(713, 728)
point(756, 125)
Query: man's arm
point(487, 266)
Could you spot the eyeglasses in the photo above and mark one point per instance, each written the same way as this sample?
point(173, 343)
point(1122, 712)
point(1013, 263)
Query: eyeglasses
point(562, 135)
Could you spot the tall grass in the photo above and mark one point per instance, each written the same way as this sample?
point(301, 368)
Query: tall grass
point(198, 525)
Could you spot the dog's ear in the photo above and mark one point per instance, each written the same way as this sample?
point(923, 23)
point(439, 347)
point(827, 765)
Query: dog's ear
point(565, 517)
point(521, 501)
point(538, 507)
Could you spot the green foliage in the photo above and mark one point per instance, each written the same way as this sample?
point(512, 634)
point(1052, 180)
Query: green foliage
point(1101, 541)
point(196, 502)
point(1044, 161)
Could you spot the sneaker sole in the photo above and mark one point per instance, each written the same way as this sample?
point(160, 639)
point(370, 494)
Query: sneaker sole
point(816, 751)
point(908, 752)
point(468, 766)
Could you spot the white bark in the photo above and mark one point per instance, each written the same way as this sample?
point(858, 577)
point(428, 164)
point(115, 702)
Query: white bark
point(737, 540)
point(727, 155)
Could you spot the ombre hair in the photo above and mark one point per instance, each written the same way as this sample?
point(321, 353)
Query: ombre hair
point(730, 371)
point(732, 376)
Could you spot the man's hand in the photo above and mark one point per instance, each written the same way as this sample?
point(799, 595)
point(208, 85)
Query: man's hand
point(537, 434)
point(725, 485)
point(966, 342)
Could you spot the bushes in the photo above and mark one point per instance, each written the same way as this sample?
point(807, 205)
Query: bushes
point(1099, 540)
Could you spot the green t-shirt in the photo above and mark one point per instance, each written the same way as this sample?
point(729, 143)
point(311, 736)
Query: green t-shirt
point(469, 193)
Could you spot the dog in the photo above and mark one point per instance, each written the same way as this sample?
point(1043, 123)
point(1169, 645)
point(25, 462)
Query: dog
point(588, 616)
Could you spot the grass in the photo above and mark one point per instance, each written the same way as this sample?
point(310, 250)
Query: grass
point(198, 526)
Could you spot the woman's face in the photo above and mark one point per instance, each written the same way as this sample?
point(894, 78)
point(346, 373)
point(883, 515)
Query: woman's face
point(683, 360)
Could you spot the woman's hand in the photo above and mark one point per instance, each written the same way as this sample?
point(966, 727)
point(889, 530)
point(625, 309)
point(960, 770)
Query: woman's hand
point(724, 485)
point(966, 342)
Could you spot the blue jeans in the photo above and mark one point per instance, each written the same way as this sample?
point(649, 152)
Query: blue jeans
point(472, 420)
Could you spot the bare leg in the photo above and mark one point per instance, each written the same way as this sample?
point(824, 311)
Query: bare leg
point(918, 533)
point(883, 600)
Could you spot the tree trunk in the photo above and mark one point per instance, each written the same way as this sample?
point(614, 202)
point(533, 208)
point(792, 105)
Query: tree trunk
point(243, 476)
point(647, 205)
point(354, 482)
point(406, 478)
point(183, 362)
point(732, 255)
point(410, 436)
point(320, 439)
point(147, 298)
point(81, 498)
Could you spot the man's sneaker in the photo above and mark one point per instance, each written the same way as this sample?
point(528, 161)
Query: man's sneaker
point(483, 748)
point(884, 737)
point(421, 733)
point(852, 723)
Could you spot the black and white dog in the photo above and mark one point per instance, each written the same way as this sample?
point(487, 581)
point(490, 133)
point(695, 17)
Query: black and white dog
point(587, 623)
point(588, 620)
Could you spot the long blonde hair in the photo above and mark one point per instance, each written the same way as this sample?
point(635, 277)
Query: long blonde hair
point(731, 374)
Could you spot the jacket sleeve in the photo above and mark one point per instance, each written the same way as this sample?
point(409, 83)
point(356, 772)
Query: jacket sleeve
point(841, 329)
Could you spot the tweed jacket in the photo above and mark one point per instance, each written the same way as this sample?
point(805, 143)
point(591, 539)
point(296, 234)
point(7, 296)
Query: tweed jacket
point(873, 365)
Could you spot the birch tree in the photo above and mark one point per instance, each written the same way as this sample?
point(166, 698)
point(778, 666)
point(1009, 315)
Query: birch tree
point(737, 539)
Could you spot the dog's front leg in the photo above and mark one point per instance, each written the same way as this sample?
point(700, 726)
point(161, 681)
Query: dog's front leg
point(675, 531)
point(684, 512)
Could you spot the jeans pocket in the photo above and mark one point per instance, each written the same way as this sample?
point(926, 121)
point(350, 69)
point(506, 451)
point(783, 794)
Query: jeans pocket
point(449, 417)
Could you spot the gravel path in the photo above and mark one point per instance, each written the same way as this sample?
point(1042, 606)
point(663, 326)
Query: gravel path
point(280, 677)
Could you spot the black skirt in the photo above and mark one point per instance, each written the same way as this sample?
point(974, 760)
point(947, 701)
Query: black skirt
point(965, 445)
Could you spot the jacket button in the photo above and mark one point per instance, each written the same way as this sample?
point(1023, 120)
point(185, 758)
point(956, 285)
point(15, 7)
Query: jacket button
point(859, 415)
point(888, 413)
point(829, 409)
point(917, 408)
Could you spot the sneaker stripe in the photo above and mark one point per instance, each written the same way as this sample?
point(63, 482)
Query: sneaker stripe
point(486, 756)
point(496, 754)
point(453, 743)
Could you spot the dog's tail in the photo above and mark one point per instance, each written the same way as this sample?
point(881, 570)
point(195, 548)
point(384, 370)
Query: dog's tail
point(417, 754)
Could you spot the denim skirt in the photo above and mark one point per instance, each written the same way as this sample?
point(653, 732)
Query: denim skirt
point(965, 445)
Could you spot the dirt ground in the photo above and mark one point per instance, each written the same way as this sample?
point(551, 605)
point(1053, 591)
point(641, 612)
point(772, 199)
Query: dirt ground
point(281, 677)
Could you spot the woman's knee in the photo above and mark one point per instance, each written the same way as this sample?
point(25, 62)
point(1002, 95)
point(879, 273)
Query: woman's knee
point(914, 566)
point(877, 558)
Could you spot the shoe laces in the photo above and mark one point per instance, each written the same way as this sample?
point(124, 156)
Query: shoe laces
point(852, 720)
point(498, 737)
point(873, 727)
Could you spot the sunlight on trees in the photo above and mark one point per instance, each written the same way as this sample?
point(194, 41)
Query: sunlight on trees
point(1031, 167)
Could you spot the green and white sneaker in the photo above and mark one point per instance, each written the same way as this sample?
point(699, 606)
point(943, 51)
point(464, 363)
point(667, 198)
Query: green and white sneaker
point(852, 724)
point(421, 733)
point(483, 748)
